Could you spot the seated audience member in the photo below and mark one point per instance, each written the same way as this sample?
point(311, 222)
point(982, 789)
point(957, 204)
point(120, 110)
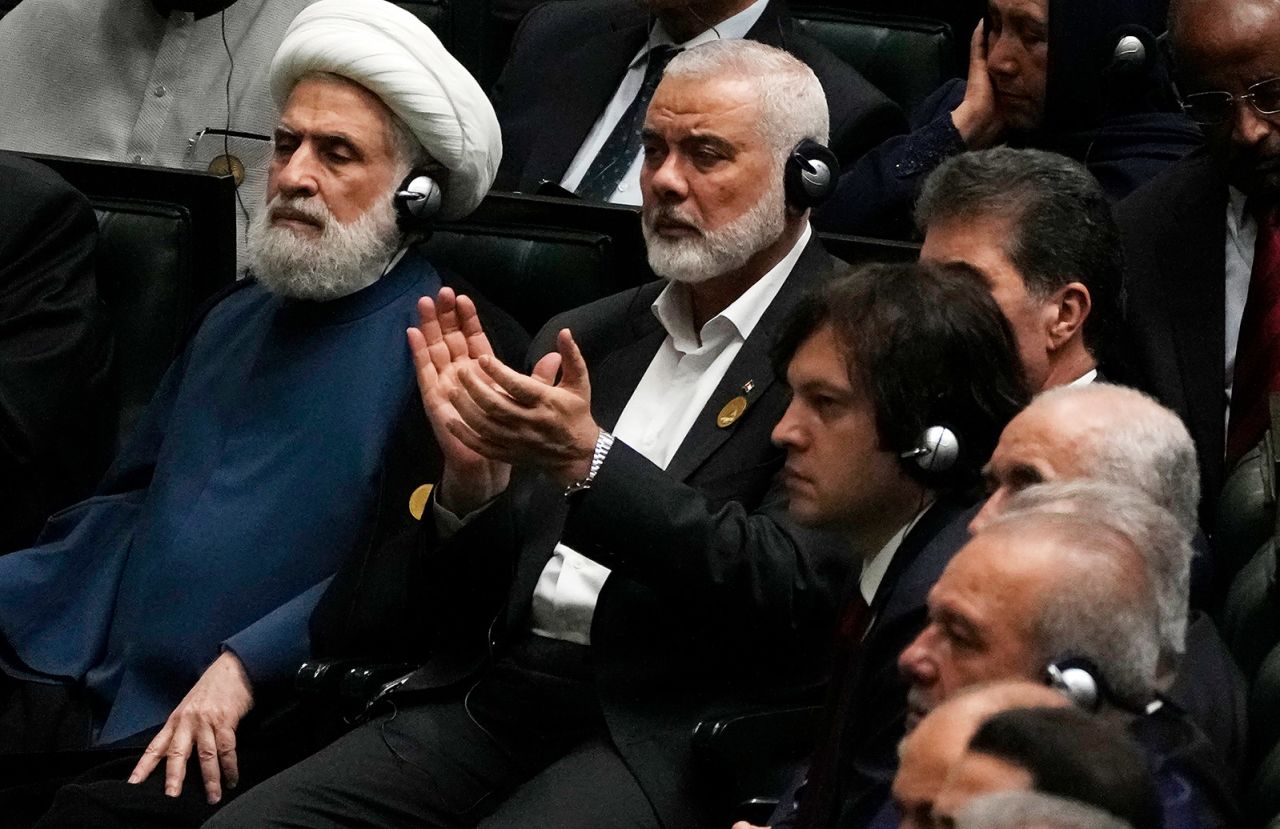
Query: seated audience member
point(55, 346)
point(1033, 810)
point(1052, 74)
point(1066, 577)
point(1058, 751)
point(1037, 226)
point(1201, 240)
point(146, 82)
point(256, 469)
point(939, 740)
point(573, 95)
point(1118, 435)
point(922, 367)
point(611, 555)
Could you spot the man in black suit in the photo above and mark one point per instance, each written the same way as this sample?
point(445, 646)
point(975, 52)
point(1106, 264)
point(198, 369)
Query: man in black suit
point(577, 67)
point(55, 345)
point(911, 370)
point(607, 557)
point(1194, 234)
point(1038, 227)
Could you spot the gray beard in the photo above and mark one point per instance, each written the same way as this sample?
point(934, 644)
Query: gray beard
point(716, 252)
point(342, 260)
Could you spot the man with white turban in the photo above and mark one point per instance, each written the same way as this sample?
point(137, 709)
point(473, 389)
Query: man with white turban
point(182, 590)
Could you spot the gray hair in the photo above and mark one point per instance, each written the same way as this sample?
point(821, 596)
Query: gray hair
point(1033, 810)
point(1143, 446)
point(1104, 612)
point(793, 106)
point(1062, 230)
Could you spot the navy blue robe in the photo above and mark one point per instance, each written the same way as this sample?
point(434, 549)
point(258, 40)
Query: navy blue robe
point(251, 478)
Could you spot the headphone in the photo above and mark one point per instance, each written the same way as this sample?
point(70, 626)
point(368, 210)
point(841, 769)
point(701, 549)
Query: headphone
point(417, 200)
point(935, 452)
point(1079, 679)
point(810, 175)
point(1136, 48)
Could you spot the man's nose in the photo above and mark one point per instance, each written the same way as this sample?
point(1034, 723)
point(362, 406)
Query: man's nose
point(914, 662)
point(296, 176)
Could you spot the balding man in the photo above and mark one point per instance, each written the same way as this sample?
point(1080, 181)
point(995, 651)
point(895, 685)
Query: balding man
point(928, 753)
point(163, 608)
point(1115, 434)
point(1201, 241)
point(1069, 576)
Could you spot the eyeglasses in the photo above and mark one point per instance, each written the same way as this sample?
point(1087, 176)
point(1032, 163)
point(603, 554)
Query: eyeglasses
point(1210, 109)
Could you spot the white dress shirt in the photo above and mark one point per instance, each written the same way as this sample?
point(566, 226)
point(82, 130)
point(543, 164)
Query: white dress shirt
point(874, 568)
point(677, 385)
point(628, 190)
point(1242, 235)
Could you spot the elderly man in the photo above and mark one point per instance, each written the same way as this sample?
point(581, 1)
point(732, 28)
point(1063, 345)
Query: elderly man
point(1121, 436)
point(589, 69)
point(1201, 239)
point(1080, 77)
point(1082, 591)
point(938, 742)
point(1038, 227)
point(195, 568)
point(610, 554)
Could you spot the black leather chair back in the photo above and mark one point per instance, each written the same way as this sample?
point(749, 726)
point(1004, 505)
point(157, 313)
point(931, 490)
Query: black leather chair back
point(907, 57)
point(166, 243)
point(536, 256)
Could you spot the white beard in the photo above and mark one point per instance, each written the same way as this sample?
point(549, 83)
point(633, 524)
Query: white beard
point(343, 259)
point(715, 252)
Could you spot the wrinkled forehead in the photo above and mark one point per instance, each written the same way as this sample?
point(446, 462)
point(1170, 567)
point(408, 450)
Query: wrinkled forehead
point(725, 107)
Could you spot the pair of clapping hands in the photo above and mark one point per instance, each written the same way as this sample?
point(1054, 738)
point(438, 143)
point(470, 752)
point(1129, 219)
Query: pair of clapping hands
point(487, 416)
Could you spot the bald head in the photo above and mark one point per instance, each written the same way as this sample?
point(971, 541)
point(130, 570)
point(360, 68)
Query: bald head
point(1099, 432)
point(927, 754)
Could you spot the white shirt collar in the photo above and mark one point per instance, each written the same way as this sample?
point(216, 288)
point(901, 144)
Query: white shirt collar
point(672, 305)
point(1085, 379)
point(733, 28)
point(874, 568)
point(1236, 217)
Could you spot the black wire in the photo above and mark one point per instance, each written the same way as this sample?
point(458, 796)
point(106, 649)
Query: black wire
point(226, 137)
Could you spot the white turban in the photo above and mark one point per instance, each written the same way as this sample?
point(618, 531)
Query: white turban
point(395, 56)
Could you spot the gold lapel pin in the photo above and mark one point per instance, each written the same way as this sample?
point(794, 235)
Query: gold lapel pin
point(734, 408)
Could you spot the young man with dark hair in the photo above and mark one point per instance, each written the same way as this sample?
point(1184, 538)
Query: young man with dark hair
point(901, 375)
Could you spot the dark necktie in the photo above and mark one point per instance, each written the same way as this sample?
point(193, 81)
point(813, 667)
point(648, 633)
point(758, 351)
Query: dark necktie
point(819, 802)
point(1257, 371)
point(620, 148)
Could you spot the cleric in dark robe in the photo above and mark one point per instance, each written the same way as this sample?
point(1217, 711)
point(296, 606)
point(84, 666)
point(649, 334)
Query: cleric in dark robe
point(256, 470)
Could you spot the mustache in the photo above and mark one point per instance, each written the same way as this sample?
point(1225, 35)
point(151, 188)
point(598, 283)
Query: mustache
point(310, 209)
point(669, 214)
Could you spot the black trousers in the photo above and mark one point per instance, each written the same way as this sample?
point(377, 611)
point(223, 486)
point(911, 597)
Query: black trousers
point(526, 746)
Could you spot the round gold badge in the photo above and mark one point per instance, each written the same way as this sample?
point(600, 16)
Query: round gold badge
point(731, 412)
point(224, 165)
point(418, 501)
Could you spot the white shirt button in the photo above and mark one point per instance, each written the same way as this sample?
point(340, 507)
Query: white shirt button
point(160, 91)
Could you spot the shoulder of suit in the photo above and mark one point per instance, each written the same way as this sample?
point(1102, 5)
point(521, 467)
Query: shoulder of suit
point(558, 22)
point(605, 315)
point(1191, 180)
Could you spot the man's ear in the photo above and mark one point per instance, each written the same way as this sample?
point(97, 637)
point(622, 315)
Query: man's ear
point(1071, 305)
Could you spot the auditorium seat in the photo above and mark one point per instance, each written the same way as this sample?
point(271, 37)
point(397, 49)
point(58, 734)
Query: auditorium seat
point(906, 57)
point(166, 244)
point(536, 256)
point(461, 27)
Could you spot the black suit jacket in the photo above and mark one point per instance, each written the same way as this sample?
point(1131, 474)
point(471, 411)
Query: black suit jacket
point(717, 600)
point(876, 693)
point(56, 423)
point(1174, 231)
point(568, 58)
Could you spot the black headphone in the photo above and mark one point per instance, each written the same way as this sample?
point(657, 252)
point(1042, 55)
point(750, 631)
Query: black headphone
point(935, 452)
point(1078, 678)
point(417, 200)
point(810, 175)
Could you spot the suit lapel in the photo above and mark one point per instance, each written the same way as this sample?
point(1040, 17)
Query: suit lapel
point(752, 365)
point(769, 28)
point(593, 71)
point(1197, 297)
